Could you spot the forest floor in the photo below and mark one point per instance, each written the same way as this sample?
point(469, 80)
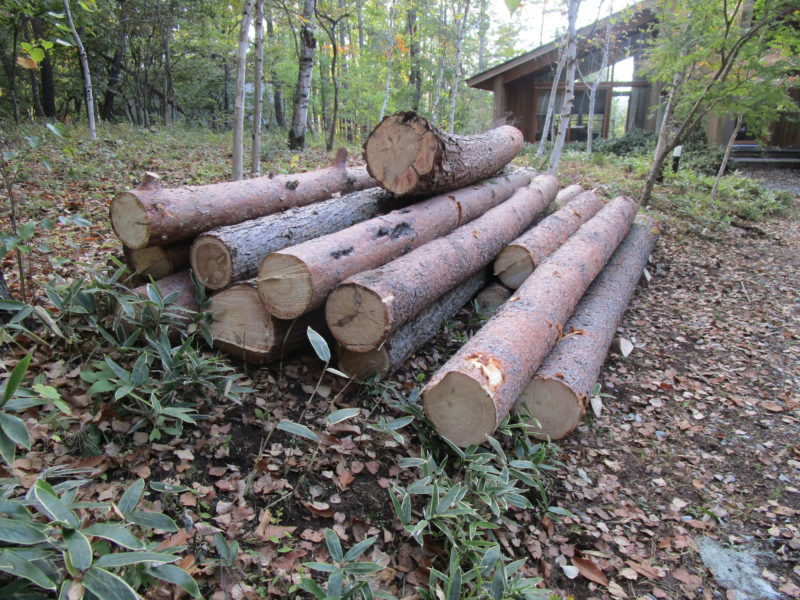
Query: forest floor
point(697, 440)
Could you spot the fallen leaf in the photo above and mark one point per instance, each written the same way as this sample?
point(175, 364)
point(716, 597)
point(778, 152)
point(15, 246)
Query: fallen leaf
point(590, 570)
point(570, 571)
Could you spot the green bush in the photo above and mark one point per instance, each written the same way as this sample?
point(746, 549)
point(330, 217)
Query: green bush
point(636, 141)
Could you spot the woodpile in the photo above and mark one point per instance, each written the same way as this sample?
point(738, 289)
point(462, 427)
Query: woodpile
point(380, 269)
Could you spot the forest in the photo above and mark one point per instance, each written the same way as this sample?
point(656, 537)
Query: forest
point(289, 309)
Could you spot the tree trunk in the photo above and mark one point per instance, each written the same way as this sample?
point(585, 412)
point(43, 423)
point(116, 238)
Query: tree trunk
point(388, 83)
point(568, 194)
point(227, 254)
point(569, 94)
point(551, 101)
point(277, 97)
point(596, 85)
point(297, 133)
point(4, 293)
point(518, 260)
point(296, 280)
point(410, 156)
point(728, 150)
point(107, 107)
point(457, 77)
point(147, 86)
point(238, 102)
point(258, 92)
point(556, 397)
point(483, 30)
point(158, 261)
point(166, 29)
point(10, 67)
point(48, 90)
point(492, 297)
point(411, 336)
point(369, 307)
point(150, 216)
point(471, 394)
point(241, 327)
point(663, 147)
point(414, 71)
point(87, 75)
point(331, 31)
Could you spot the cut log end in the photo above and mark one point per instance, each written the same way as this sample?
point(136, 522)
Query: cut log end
point(364, 364)
point(211, 262)
point(357, 317)
point(400, 153)
point(461, 409)
point(130, 222)
point(241, 326)
point(552, 407)
point(284, 285)
point(513, 266)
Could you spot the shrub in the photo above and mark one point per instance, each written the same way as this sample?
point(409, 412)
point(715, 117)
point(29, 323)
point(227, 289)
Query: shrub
point(636, 141)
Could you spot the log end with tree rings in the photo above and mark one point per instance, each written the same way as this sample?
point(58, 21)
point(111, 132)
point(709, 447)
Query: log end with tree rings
point(284, 285)
point(461, 409)
point(363, 364)
point(552, 408)
point(513, 266)
point(240, 326)
point(357, 317)
point(211, 262)
point(130, 221)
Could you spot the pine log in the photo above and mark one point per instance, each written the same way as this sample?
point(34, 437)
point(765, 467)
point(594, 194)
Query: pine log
point(157, 261)
point(180, 282)
point(233, 253)
point(555, 399)
point(471, 394)
point(568, 194)
point(298, 279)
point(414, 334)
point(518, 260)
point(242, 328)
point(492, 297)
point(151, 216)
point(410, 156)
point(369, 307)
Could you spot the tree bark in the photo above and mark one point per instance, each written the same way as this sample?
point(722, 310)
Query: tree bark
point(241, 327)
point(414, 71)
point(518, 260)
point(596, 85)
point(568, 194)
point(158, 261)
point(227, 254)
point(663, 147)
point(107, 107)
point(457, 77)
point(238, 101)
point(492, 297)
point(556, 397)
point(471, 394)
point(297, 132)
point(369, 307)
point(388, 83)
point(47, 90)
point(551, 101)
point(298, 279)
point(728, 150)
point(258, 92)
point(569, 94)
point(414, 334)
point(277, 96)
point(151, 216)
point(87, 75)
point(410, 156)
point(10, 67)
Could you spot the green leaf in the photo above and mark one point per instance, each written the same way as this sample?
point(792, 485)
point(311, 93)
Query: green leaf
point(55, 129)
point(358, 549)
point(299, 430)
point(563, 512)
point(512, 5)
point(454, 585)
point(334, 545)
point(8, 449)
point(338, 416)
point(15, 379)
point(79, 548)
point(37, 54)
point(52, 504)
point(362, 568)
point(12, 563)
point(324, 567)
point(319, 344)
point(175, 575)
point(15, 428)
point(337, 372)
point(115, 533)
point(312, 587)
point(107, 586)
point(131, 497)
point(152, 519)
point(47, 392)
point(14, 531)
point(121, 559)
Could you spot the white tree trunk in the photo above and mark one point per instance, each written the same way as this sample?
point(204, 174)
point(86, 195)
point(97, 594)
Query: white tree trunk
point(238, 102)
point(726, 158)
point(595, 86)
point(388, 85)
point(551, 102)
point(457, 79)
point(87, 75)
point(297, 131)
point(258, 92)
point(569, 95)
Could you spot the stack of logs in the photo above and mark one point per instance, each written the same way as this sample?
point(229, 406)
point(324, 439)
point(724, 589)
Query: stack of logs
point(383, 266)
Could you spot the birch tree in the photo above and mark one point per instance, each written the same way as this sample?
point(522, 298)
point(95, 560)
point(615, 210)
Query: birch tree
point(551, 101)
point(258, 90)
point(388, 83)
point(87, 75)
point(297, 131)
point(238, 102)
point(569, 94)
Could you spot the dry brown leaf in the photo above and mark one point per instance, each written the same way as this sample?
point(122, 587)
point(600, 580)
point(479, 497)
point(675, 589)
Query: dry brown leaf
point(590, 570)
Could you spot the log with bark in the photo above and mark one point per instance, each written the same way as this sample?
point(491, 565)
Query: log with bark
point(568, 194)
point(518, 260)
point(241, 327)
point(158, 261)
point(152, 216)
point(414, 334)
point(555, 399)
point(180, 282)
point(410, 156)
point(471, 394)
point(369, 307)
point(233, 253)
point(492, 297)
point(298, 279)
